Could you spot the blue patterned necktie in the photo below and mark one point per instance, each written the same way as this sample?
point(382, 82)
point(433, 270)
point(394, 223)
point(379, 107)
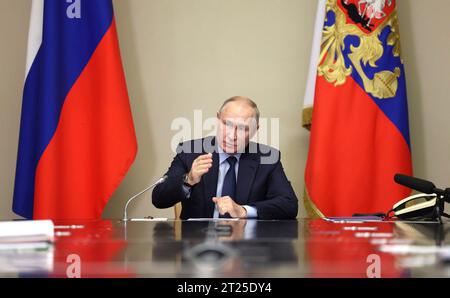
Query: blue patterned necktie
point(229, 183)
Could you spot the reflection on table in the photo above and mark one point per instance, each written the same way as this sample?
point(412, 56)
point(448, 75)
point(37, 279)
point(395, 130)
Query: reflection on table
point(243, 248)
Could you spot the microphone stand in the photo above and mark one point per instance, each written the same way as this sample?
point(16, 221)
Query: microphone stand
point(442, 197)
point(125, 216)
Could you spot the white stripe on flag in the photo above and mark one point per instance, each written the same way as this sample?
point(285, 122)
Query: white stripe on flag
point(315, 52)
point(35, 32)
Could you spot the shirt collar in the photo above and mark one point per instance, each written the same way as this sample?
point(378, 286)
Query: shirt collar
point(223, 156)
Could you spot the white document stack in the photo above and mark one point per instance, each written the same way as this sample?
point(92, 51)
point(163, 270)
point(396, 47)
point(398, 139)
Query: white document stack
point(26, 231)
point(26, 247)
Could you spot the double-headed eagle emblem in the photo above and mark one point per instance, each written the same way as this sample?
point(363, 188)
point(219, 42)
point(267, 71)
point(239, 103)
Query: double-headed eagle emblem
point(358, 19)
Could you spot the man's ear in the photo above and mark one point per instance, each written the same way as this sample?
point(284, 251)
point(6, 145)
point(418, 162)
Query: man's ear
point(218, 115)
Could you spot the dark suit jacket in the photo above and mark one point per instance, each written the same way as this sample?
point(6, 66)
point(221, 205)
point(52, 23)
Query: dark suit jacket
point(263, 186)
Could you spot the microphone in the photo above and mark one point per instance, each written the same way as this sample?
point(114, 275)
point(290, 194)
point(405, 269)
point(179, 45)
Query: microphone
point(415, 183)
point(160, 180)
point(418, 184)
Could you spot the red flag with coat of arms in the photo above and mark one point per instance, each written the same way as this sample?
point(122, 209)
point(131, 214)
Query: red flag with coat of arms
point(356, 107)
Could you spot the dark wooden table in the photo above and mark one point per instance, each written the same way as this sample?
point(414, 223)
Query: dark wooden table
point(244, 248)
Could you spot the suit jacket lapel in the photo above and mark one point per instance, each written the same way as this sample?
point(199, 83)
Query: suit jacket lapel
point(248, 164)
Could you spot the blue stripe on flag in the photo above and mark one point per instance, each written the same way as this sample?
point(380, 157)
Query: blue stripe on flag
point(395, 108)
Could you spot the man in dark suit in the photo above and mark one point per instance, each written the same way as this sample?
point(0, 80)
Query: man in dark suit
point(227, 175)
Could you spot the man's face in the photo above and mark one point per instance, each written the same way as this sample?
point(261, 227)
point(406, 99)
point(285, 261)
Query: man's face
point(237, 125)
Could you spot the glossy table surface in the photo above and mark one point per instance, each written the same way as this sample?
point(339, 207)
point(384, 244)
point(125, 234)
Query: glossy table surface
point(243, 248)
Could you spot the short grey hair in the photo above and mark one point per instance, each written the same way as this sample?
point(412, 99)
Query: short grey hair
point(247, 100)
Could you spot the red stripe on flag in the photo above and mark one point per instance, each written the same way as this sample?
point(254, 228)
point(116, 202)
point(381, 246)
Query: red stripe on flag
point(94, 144)
point(355, 150)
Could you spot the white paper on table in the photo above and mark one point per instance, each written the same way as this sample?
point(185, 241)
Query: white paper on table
point(150, 219)
point(26, 231)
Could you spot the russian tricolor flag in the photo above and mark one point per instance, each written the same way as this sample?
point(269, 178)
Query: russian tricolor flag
point(359, 123)
point(77, 138)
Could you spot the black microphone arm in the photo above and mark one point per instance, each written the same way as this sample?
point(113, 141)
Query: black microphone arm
point(415, 183)
point(421, 185)
point(160, 180)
